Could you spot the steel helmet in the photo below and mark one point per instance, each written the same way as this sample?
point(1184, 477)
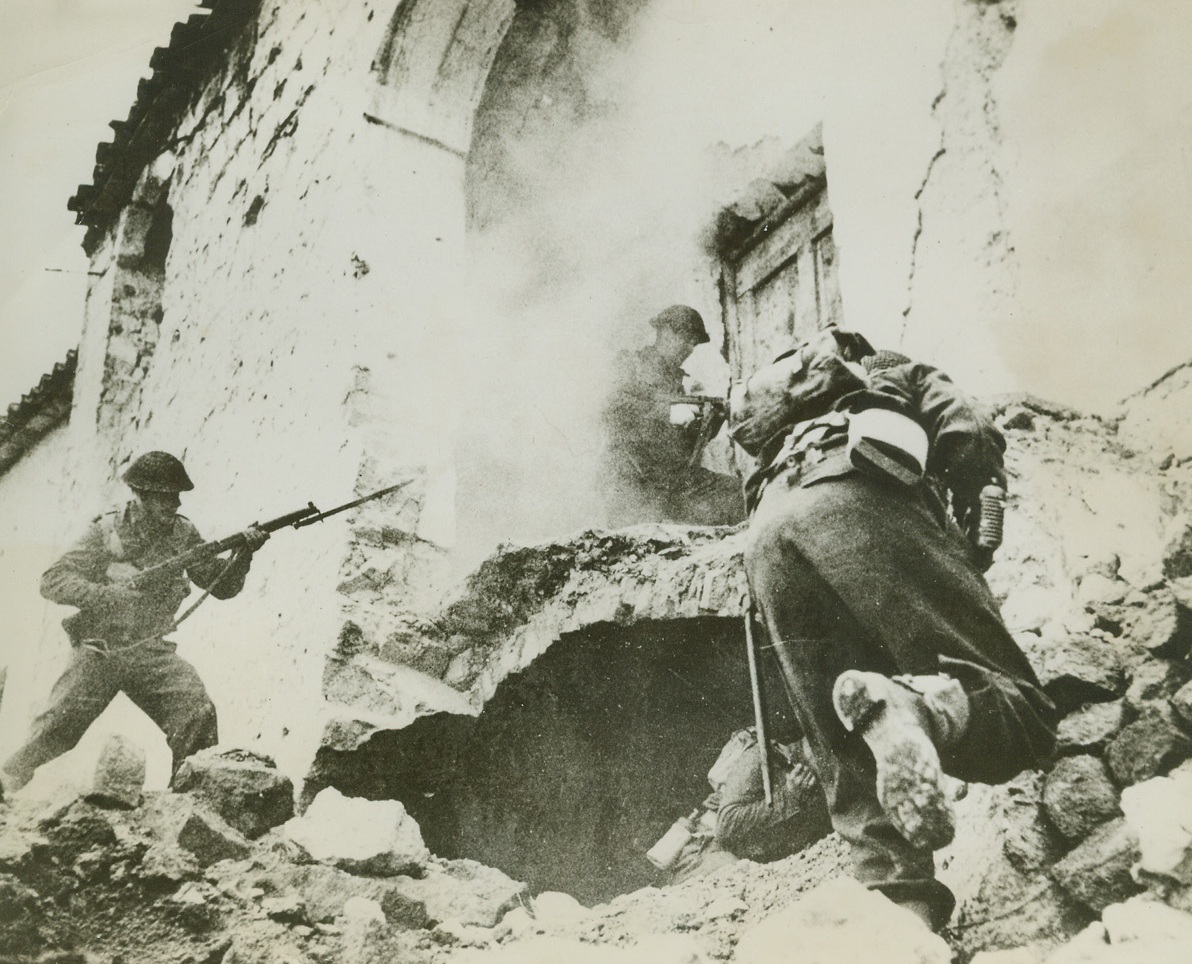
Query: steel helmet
point(158, 472)
point(682, 319)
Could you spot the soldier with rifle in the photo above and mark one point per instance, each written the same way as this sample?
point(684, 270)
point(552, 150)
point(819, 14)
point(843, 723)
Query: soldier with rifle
point(127, 576)
point(655, 434)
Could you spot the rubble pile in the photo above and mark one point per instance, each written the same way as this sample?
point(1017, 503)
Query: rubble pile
point(1088, 862)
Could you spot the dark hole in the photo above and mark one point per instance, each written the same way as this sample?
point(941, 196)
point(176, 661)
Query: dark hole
point(578, 764)
point(158, 239)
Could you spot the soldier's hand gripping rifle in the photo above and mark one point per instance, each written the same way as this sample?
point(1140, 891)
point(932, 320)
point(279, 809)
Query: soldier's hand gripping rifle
point(125, 574)
point(139, 578)
point(713, 411)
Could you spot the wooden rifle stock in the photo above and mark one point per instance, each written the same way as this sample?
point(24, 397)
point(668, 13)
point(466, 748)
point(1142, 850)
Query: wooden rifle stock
point(178, 563)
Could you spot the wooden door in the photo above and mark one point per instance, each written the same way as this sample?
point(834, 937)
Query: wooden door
point(781, 285)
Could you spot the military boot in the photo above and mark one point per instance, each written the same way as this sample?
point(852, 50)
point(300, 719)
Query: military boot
point(906, 721)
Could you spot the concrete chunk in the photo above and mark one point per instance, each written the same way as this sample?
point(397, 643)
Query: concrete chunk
point(1079, 796)
point(243, 787)
point(119, 779)
point(843, 921)
point(369, 837)
point(1079, 669)
point(1097, 872)
point(1159, 812)
point(1089, 729)
point(1149, 746)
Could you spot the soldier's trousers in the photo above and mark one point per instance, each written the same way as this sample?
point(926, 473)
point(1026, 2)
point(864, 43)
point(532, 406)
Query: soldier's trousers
point(848, 574)
point(161, 683)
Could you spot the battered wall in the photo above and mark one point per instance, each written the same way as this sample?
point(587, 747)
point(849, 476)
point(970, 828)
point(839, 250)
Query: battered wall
point(301, 345)
point(321, 328)
point(1054, 225)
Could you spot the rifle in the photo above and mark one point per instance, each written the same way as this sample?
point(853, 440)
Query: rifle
point(715, 401)
point(297, 519)
point(759, 707)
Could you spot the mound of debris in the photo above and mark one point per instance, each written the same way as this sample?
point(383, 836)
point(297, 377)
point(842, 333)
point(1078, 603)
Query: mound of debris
point(502, 816)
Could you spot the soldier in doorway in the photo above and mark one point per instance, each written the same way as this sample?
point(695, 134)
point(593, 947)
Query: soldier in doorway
point(736, 822)
point(117, 634)
point(655, 434)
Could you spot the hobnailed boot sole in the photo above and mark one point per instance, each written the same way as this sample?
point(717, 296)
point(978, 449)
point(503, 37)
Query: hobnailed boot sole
point(910, 782)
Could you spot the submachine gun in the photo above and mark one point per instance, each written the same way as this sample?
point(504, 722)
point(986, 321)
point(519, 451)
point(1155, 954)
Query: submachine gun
point(713, 411)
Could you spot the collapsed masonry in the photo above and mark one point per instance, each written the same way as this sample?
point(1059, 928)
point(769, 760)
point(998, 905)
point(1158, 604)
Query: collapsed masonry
point(602, 674)
point(596, 679)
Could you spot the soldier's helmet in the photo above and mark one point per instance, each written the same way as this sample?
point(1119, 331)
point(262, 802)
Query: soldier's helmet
point(158, 472)
point(682, 319)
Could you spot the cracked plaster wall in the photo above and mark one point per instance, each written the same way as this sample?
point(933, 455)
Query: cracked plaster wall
point(309, 311)
point(1053, 219)
point(305, 336)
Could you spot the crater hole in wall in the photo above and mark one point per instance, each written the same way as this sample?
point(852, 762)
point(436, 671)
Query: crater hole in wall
point(577, 765)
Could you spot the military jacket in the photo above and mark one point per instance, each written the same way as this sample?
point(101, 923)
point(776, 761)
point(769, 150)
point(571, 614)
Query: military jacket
point(641, 441)
point(85, 577)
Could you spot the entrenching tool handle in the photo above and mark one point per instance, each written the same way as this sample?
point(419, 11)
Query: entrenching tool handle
point(759, 711)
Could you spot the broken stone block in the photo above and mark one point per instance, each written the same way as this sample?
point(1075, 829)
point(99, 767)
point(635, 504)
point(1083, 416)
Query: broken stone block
point(1001, 849)
point(1149, 746)
point(370, 837)
point(1177, 548)
point(1163, 627)
point(286, 909)
point(1018, 418)
point(843, 921)
point(180, 820)
point(119, 775)
point(196, 905)
point(1097, 872)
point(1181, 702)
point(464, 891)
point(18, 920)
point(1090, 728)
point(403, 911)
point(1145, 919)
point(263, 942)
point(1098, 589)
point(1078, 669)
point(556, 910)
point(168, 862)
point(1159, 812)
point(1079, 796)
point(210, 839)
point(1154, 679)
point(344, 734)
point(244, 788)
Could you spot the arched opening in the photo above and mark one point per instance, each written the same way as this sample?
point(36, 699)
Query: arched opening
point(578, 764)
